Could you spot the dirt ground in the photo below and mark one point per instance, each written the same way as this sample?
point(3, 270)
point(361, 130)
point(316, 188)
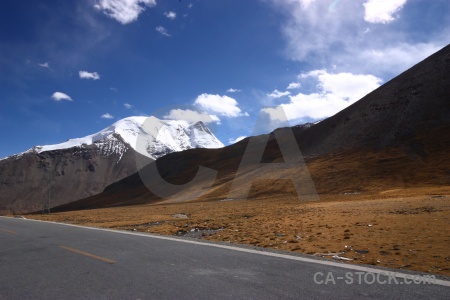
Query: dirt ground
point(398, 228)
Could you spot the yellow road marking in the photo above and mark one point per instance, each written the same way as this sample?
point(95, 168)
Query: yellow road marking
point(89, 254)
point(6, 230)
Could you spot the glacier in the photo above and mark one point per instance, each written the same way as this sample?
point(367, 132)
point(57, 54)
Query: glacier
point(148, 136)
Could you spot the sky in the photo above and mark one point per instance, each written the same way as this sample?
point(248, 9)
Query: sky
point(71, 68)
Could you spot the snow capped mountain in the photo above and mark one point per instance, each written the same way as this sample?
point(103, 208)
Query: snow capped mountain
point(82, 167)
point(147, 135)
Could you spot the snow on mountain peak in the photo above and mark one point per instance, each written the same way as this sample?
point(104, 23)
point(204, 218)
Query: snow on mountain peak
point(147, 135)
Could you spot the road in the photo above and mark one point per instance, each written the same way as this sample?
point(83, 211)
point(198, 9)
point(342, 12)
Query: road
point(43, 260)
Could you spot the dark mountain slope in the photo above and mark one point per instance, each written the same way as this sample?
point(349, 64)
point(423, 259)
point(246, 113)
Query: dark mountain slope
point(417, 99)
point(37, 181)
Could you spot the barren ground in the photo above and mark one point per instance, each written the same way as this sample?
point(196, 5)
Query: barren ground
point(398, 228)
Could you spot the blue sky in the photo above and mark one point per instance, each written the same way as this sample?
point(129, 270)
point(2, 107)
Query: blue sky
point(71, 68)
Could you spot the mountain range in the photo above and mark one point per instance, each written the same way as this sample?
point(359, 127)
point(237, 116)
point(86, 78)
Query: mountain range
point(394, 137)
point(51, 175)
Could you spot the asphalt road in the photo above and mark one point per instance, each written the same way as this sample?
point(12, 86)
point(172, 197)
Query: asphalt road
point(42, 260)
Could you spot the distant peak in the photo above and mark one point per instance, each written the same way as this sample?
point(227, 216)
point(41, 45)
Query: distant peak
point(164, 136)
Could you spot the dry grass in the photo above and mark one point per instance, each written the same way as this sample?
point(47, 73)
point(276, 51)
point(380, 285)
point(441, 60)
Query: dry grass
point(396, 228)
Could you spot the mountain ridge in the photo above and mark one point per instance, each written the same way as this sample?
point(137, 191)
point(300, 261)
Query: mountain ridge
point(129, 129)
point(82, 167)
point(393, 137)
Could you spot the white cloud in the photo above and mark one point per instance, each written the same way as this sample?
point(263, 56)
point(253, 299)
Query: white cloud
point(233, 141)
point(293, 86)
point(346, 86)
point(324, 37)
point(335, 92)
point(231, 90)
point(382, 11)
point(191, 116)
point(278, 94)
point(306, 3)
point(311, 30)
point(396, 57)
point(123, 11)
point(107, 116)
point(171, 15)
point(58, 96)
point(128, 105)
point(162, 30)
point(44, 65)
point(215, 119)
point(89, 75)
point(221, 105)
